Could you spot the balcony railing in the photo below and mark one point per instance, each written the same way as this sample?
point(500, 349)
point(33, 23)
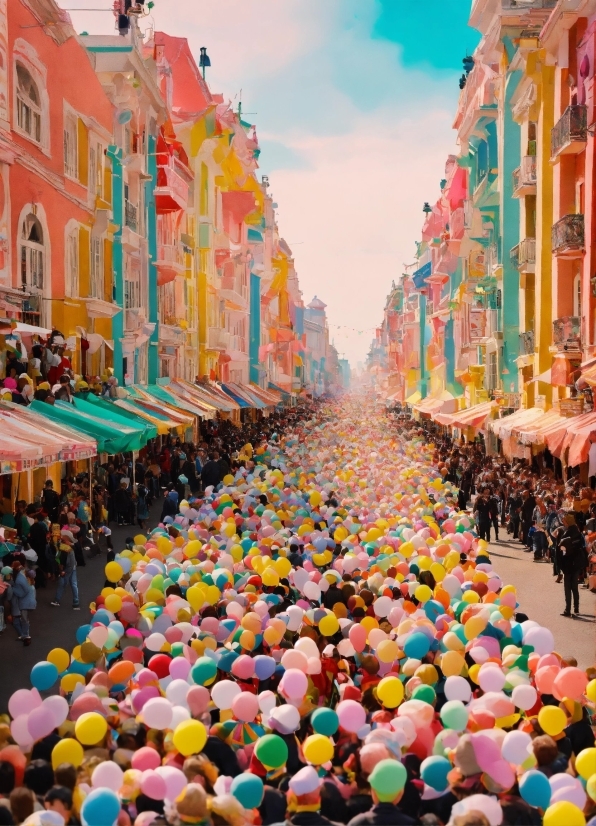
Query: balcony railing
point(523, 256)
point(568, 236)
point(171, 193)
point(526, 343)
point(170, 254)
point(570, 133)
point(524, 177)
point(131, 216)
point(567, 333)
point(522, 5)
point(236, 290)
point(217, 339)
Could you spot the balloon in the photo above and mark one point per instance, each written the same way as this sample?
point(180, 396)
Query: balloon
point(535, 789)
point(563, 814)
point(43, 675)
point(524, 697)
point(264, 667)
point(271, 751)
point(454, 715)
point(585, 763)
point(457, 688)
point(245, 706)
point(189, 737)
point(223, 694)
point(40, 723)
point(552, 720)
point(434, 771)
point(417, 646)
point(153, 785)
point(58, 708)
point(204, 671)
point(157, 713)
point(517, 747)
point(351, 715)
point(325, 721)
point(60, 658)
point(294, 683)
point(284, 719)
point(570, 682)
point(23, 701)
point(107, 775)
point(101, 807)
point(90, 728)
point(113, 572)
point(248, 790)
point(145, 758)
point(318, 749)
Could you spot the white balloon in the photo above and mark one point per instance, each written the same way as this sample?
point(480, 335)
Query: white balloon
point(458, 688)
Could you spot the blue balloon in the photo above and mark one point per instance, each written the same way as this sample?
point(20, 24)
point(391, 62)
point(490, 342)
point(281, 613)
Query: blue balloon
point(248, 790)
point(264, 666)
point(101, 807)
point(102, 616)
point(433, 609)
point(79, 668)
point(43, 675)
point(224, 663)
point(535, 789)
point(325, 721)
point(82, 633)
point(417, 646)
point(434, 771)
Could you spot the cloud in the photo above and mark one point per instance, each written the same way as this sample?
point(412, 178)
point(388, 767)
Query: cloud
point(353, 141)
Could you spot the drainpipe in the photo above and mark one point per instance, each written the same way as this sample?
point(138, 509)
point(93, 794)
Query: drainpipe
point(114, 153)
point(153, 355)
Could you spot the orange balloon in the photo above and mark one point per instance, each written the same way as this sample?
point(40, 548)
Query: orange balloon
point(121, 672)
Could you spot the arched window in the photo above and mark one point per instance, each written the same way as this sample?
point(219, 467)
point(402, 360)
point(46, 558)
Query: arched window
point(577, 296)
point(28, 104)
point(32, 253)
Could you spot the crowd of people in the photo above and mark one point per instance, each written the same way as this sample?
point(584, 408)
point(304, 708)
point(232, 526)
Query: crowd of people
point(317, 639)
point(553, 520)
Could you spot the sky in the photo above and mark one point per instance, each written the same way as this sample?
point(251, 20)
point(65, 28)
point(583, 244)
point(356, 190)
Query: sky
point(353, 101)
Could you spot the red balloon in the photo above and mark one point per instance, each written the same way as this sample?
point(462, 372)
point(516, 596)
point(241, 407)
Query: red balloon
point(358, 635)
point(133, 655)
point(160, 664)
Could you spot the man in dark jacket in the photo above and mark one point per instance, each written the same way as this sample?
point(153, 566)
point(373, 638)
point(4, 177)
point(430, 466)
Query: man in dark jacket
point(573, 548)
point(50, 501)
point(482, 510)
point(211, 473)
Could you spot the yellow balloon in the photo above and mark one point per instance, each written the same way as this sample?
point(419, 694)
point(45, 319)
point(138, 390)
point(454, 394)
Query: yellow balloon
point(69, 682)
point(90, 728)
point(271, 635)
point(193, 548)
point(247, 640)
point(67, 751)
point(318, 749)
point(315, 498)
point(229, 529)
point(228, 479)
point(190, 737)
point(195, 597)
point(283, 566)
point(452, 642)
point(270, 577)
point(139, 539)
point(387, 651)
point(113, 603)
point(390, 692)
point(452, 663)
point(591, 691)
point(470, 597)
point(564, 813)
point(114, 572)
point(213, 594)
point(423, 593)
point(437, 571)
point(60, 658)
point(552, 720)
point(407, 549)
point(591, 788)
point(585, 763)
point(328, 626)
point(473, 627)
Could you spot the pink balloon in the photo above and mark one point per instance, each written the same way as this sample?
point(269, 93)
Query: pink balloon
point(146, 676)
point(157, 713)
point(245, 707)
point(145, 759)
point(293, 659)
point(198, 699)
point(144, 695)
point(179, 668)
point(243, 667)
point(20, 732)
point(58, 707)
point(351, 715)
point(107, 775)
point(545, 678)
point(294, 683)
point(153, 785)
point(358, 635)
point(40, 723)
point(23, 701)
point(570, 682)
point(175, 780)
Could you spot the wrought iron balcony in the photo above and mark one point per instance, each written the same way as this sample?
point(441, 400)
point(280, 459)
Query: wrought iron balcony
point(526, 343)
point(523, 256)
point(567, 333)
point(524, 177)
point(568, 236)
point(570, 133)
point(522, 5)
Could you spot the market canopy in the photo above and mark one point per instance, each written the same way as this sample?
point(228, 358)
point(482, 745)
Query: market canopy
point(474, 417)
point(110, 439)
point(525, 416)
point(118, 416)
point(445, 402)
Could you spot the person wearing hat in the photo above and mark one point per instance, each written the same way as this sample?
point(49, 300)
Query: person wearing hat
point(67, 564)
point(190, 807)
point(304, 800)
point(387, 782)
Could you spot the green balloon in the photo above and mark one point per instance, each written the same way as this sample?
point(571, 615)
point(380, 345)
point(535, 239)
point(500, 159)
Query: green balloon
point(271, 751)
point(454, 715)
point(425, 693)
point(203, 670)
point(388, 778)
point(325, 721)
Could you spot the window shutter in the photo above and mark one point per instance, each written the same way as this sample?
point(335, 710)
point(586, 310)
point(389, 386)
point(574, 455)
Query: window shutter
point(83, 152)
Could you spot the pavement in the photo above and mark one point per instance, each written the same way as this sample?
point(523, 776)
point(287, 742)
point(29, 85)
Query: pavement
point(542, 599)
point(55, 627)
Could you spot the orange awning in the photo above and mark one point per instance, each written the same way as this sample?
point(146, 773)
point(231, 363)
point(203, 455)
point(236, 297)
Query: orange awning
point(470, 417)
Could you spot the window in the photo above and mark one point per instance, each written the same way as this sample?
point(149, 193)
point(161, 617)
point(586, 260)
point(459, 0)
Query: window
point(143, 363)
point(577, 296)
point(71, 160)
point(96, 267)
point(96, 170)
point(71, 285)
point(491, 371)
point(32, 253)
point(28, 104)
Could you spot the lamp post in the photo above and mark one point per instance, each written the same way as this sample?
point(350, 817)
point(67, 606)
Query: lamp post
point(204, 60)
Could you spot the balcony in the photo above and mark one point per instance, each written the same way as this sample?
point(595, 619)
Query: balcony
point(568, 237)
point(169, 263)
point(524, 177)
point(234, 291)
point(570, 133)
point(567, 333)
point(217, 339)
point(131, 214)
point(523, 5)
point(526, 343)
point(171, 192)
point(457, 224)
point(238, 347)
point(523, 256)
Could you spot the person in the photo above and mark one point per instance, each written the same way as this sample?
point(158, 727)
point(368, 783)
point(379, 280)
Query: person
point(59, 799)
point(170, 505)
point(122, 502)
point(304, 800)
point(142, 508)
point(38, 540)
point(483, 511)
point(387, 782)
point(526, 513)
point(67, 565)
point(23, 601)
point(573, 547)
point(211, 474)
point(50, 501)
